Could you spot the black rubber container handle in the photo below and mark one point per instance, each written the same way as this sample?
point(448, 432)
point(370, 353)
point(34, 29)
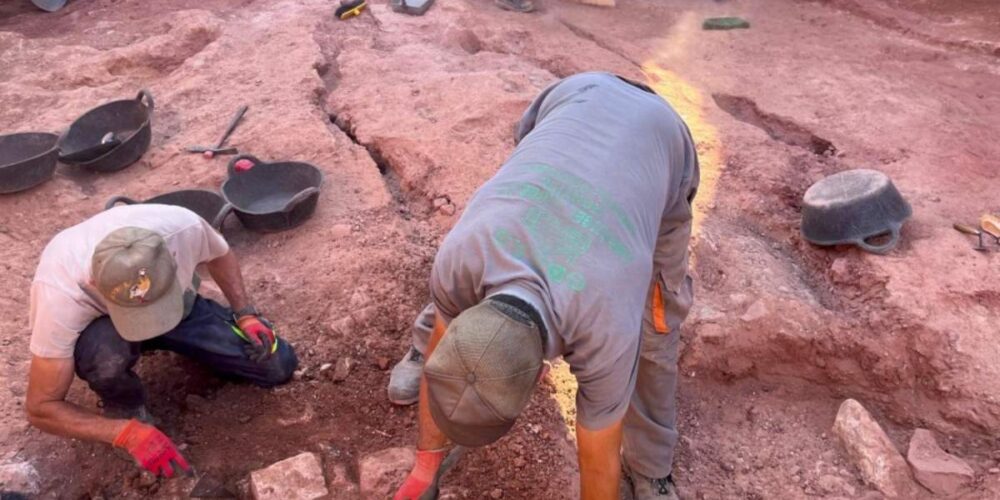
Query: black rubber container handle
point(119, 199)
point(223, 213)
point(232, 163)
point(144, 95)
point(885, 247)
point(299, 198)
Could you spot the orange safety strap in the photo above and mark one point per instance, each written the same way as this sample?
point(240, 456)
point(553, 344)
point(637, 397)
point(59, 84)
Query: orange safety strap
point(659, 312)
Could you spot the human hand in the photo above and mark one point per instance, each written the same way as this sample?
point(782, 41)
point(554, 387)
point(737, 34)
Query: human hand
point(260, 335)
point(152, 449)
point(421, 476)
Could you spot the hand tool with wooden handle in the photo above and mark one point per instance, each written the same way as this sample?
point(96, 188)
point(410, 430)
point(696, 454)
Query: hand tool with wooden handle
point(967, 229)
point(209, 152)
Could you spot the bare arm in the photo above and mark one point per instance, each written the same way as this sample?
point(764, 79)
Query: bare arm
point(600, 465)
point(226, 272)
point(49, 380)
point(430, 436)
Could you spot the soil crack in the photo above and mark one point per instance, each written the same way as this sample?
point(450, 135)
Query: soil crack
point(373, 151)
point(777, 127)
point(586, 35)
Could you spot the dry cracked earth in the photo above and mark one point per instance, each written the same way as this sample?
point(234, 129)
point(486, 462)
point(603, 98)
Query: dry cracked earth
point(406, 116)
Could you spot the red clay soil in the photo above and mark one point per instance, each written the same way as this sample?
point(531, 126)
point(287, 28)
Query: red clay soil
point(408, 115)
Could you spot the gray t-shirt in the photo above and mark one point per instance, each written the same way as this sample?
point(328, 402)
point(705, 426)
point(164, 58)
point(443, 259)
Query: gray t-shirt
point(570, 224)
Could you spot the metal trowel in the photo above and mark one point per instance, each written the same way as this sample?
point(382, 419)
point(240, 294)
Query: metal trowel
point(411, 7)
point(210, 487)
point(990, 224)
point(967, 229)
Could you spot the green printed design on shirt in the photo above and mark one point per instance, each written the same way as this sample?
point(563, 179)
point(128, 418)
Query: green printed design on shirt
point(567, 216)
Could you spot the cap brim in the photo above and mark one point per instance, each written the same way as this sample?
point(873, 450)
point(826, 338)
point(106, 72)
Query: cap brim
point(467, 435)
point(49, 5)
point(136, 324)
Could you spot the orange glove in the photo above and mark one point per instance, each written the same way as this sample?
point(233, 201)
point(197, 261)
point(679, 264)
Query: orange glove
point(152, 449)
point(420, 477)
point(260, 336)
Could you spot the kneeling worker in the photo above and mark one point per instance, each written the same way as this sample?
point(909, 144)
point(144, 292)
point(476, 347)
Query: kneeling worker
point(577, 247)
point(121, 283)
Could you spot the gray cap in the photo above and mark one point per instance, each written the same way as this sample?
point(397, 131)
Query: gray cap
point(135, 273)
point(49, 5)
point(482, 372)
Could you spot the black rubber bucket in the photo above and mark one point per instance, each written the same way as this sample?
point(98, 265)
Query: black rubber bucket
point(854, 207)
point(128, 121)
point(26, 160)
point(208, 204)
point(272, 197)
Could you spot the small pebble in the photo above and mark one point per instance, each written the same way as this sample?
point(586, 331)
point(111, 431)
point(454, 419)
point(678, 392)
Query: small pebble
point(343, 369)
point(146, 479)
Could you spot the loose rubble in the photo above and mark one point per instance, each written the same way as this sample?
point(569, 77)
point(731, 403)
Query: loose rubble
point(934, 468)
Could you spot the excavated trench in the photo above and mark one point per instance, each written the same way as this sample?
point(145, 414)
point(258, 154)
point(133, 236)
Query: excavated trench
point(778, 128)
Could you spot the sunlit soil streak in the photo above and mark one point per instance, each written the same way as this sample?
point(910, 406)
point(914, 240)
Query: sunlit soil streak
point(565, 395)
point(690, 104)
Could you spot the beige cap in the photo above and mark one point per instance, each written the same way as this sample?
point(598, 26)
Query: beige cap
point(135, 273)
point(482, 372)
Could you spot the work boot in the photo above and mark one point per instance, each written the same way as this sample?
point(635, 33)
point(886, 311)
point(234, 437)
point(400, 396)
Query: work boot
point(516, 5)
point(404, 380)
point(644, 488)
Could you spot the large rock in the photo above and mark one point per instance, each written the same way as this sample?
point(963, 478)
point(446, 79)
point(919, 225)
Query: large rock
point(299, 477)
point(19, 477)
point(871, 451)
point(382, 472)
point(936, 469)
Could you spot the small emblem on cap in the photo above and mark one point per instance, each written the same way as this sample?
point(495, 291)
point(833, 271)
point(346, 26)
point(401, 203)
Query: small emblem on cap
point(140, 288)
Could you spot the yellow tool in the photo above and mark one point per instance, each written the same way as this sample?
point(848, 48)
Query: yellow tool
point(350, 8)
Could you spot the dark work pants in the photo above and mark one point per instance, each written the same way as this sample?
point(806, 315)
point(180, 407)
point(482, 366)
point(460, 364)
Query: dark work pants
point(105, 360)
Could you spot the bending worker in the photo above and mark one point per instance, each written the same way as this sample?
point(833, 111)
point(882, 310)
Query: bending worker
point(578, 247)
point(121, 283)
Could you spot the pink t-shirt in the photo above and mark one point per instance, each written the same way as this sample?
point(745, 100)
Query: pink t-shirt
point(63, 302)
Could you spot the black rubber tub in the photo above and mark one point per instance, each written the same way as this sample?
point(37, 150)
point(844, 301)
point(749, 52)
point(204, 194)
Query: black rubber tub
point(26, 160)
point(856, 207)
point(273, 196)
point(208, 204)
point(125, 124)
